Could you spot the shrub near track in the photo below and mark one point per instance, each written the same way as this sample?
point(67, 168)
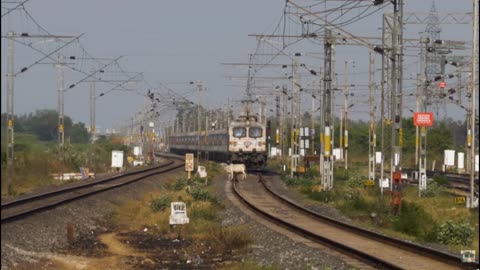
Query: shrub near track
point(431, 218)
point(151, 215)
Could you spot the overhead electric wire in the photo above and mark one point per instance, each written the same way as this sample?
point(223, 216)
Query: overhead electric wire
point(12, 9)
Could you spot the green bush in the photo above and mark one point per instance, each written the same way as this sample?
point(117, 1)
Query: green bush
point(355, 200)
point(322, 196)
point(413, 220)
point(199, 193)
point(356, 182)
point(433, 189)
point(180, 184)
point(160, 203)
point(340, 174)
point(296, 180)
point(454, 233)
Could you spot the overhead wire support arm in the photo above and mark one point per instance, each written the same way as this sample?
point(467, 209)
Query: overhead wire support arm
point(337, 29)
point(48, 55)
point(92, 73)
point(122, 83)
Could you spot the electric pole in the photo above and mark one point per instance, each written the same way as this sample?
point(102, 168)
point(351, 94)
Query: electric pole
point(329, 50)
point(373, 108)
point(10, 120)
point(61, 134)
point(421, 141)
point(345, 132)
point(294, 112)
point(397, 96)
point(283, 130)
point(385, 91)
point(472, 100)
point(92, 123)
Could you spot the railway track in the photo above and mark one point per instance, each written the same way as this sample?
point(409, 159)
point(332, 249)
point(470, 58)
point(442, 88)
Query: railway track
point(459, 183)
point(28, 205)
point(380, 251)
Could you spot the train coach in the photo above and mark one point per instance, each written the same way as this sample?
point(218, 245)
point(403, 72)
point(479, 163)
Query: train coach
point(243, 142)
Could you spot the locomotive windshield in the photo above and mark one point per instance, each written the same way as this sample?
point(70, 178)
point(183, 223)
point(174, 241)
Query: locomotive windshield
point(239, 132)
point(255, 132)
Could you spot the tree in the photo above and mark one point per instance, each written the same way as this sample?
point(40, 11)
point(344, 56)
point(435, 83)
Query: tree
point(79, 133)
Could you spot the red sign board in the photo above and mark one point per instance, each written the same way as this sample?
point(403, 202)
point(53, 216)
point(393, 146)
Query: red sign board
point(442, 84)
point(423, 119)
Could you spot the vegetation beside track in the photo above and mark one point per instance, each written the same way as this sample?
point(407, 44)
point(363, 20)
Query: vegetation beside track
point(432, 218)
point(151, 213)
point(36, 160)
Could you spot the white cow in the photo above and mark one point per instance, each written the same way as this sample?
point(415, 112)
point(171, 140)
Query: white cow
point(231, 169)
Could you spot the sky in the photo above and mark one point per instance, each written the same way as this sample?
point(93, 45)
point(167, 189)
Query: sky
point(174, 43)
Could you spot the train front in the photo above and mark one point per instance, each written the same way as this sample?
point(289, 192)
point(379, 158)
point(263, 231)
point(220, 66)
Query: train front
point(247, 143)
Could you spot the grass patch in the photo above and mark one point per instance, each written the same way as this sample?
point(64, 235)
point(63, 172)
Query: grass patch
point(414, 220)
point(434, 217)
point(229, 238)
point(160, 203)
point(153, 212)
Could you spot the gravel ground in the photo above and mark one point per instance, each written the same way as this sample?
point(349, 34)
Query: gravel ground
point(47, 231)
point(24, 240)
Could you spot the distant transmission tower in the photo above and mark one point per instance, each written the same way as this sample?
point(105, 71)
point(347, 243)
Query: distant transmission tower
point(432, 31)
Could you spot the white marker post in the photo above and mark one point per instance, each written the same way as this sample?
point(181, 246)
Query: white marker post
point(189, 164)
point(178, 214)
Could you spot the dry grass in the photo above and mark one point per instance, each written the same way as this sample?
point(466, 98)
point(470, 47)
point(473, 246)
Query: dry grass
point(204, 226)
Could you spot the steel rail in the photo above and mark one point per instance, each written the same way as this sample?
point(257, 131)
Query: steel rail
point(27, 205)
point(425, 251)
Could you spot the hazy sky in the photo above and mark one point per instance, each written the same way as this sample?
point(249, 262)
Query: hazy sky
point(172, 42)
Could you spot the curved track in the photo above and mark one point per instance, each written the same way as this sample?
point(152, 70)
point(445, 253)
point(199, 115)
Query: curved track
point(22, 207)
point(459, 183)
point(377, 250)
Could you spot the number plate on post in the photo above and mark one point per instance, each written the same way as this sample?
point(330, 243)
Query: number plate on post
point(369, 183)
point(460, 199)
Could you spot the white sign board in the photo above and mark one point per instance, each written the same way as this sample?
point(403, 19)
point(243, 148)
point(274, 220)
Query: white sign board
point(449, 157)
point(386, 182)
point(178, 213)
point(378, 157)
point(202, 172)
point(304, 132)
point(117, 159)
point(137, 151)
point(337, 154)
point(273, 152)
point(460, 160)
point(137, 162)
point(150, 124)
point(189, 162)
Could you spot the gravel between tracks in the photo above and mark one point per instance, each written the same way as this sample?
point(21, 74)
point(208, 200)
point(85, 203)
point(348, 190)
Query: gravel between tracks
point(24, 239)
